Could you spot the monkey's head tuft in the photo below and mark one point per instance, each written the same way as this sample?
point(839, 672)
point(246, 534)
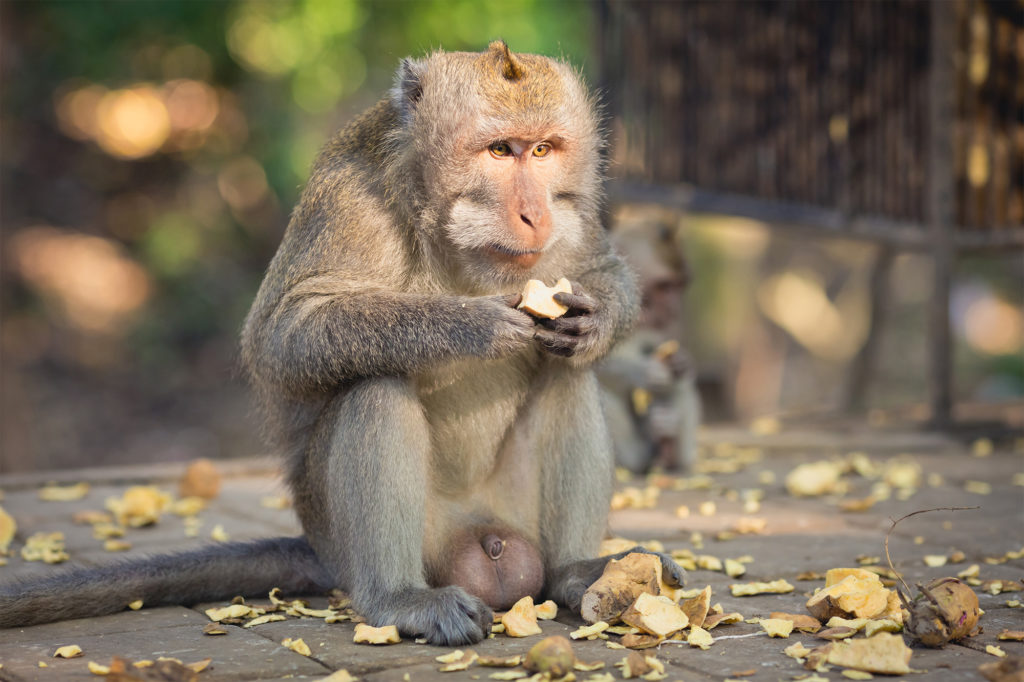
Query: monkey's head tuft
point(511, 68)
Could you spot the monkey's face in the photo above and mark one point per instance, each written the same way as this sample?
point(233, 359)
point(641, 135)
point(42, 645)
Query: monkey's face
point(512, 160)
point(511, 215)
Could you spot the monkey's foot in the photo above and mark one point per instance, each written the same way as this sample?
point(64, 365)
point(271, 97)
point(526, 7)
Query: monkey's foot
point(568, 583)
point(444, 616)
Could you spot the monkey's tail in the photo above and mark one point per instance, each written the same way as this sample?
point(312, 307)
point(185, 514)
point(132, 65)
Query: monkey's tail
point(207, 574)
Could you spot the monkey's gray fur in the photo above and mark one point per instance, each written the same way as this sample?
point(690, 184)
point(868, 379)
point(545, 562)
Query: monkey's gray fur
point(411, 400)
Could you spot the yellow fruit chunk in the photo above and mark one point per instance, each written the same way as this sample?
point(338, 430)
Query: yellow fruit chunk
point(622, 581)
point(367, 634)
point(297, 645)
point(69, 651)
point(777, 627)
point(883, 653)
point(859, 594)
point(655, 615)
point(521, 619)
point(538, 298)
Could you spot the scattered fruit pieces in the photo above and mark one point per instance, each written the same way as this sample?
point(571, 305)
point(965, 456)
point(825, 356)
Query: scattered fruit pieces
point(801, 622)
point(69, 651)
point(218, 614)
point(935, 560)
point(884, 653)
point(849, 593)
point(135, 605)
point(551, 655)
point(202, 479)
point(1011, 635)
point(98, 669)
point(367, 634)
point(454, 663)
point(521, 619)
point(546, 610)
point(777, 627)
point(63, 493)
point(45, 547)
point(8, 527)
point(696, 609)
point(141, 505)
point(655, 615)
point(945, 610)
point(622, 581)
point(699, 637)
point(813, 479)
point(297, 645)
point(995, 651)
point(750, 589)
point(589, 631)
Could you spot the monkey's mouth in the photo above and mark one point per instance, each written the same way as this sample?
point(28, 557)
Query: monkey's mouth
point(524, 258)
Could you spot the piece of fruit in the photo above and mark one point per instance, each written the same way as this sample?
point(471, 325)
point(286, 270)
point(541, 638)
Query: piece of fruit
point(538, 298)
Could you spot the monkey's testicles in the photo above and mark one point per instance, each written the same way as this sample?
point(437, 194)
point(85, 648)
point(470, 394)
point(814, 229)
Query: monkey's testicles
point(495, 564)
point(538, 298)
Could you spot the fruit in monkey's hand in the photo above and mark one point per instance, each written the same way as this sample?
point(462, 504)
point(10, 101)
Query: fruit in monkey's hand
point(538, 299)
point(619, 586)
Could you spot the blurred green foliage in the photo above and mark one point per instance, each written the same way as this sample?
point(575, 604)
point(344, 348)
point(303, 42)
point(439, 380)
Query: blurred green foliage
point(179, 133)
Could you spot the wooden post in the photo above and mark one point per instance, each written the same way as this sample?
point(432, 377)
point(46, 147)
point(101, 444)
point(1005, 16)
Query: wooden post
point(940, 209)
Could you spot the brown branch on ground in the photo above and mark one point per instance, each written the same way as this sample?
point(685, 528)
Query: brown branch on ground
point(893, 527)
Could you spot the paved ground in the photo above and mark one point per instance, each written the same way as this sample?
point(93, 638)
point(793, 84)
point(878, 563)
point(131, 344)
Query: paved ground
point(800, 534)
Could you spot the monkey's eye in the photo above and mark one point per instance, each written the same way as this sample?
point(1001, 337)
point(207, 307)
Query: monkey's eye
point(501, 149)
point(543, 149)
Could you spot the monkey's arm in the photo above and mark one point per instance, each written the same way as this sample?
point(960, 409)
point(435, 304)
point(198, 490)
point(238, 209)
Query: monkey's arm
point(323, 332)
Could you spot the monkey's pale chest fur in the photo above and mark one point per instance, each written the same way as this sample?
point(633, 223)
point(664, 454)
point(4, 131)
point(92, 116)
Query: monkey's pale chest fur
point(470, 407)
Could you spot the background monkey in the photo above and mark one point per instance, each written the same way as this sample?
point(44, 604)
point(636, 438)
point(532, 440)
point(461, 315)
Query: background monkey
point(446, 452)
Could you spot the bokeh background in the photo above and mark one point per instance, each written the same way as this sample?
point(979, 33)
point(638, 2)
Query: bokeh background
point(152, 151)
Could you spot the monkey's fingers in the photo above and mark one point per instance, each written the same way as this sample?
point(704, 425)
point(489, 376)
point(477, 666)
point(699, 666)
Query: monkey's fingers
point(562, 345)
point(579, 302)
point(580, 325)
point(512, 300)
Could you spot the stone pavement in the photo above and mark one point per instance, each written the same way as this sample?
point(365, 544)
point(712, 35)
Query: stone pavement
point(799, 535)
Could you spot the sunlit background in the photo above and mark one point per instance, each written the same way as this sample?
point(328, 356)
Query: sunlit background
point(151, 153)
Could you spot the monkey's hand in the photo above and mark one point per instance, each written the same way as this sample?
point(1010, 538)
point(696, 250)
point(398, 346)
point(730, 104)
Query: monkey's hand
point(508, 330)
point(577, 333)
point(567, 584)
point(444, 616)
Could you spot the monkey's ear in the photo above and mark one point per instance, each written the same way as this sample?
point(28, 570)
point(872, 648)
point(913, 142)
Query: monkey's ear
point(408, 86)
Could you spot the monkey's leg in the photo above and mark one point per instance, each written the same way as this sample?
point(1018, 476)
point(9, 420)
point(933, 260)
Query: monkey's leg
point(364, 489)
point(576, 479)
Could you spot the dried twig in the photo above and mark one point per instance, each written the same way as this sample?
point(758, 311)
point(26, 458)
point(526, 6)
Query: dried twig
point(893, 526)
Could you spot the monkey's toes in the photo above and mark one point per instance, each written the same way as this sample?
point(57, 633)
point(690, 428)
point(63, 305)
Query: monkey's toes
point(446, 616)
point(672, 573)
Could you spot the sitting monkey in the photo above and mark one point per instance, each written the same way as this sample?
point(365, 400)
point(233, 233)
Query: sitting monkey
point(446, 452)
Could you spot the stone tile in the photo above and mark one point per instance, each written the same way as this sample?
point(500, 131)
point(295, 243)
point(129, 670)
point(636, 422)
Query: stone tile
point(240, 655)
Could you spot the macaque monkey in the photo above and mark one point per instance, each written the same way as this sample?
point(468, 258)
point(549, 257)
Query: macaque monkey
point(447, 453)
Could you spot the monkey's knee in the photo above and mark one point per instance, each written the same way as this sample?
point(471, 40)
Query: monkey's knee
point(496, 565)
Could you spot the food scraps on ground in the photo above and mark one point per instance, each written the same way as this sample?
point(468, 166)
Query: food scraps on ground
point(801, 622)
point(141, 505)
point(655, 615)
point(750, 589)
point(521, 619)
point(63, 493)
point(367, 634)
point(946, 609)
point(551, 655)
point(201, 479)
point(296, 645)
point(852, 593)
point(622, 581)
point(45, 547)
point(884, 653)
point(8, 527)
point(538, 298)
